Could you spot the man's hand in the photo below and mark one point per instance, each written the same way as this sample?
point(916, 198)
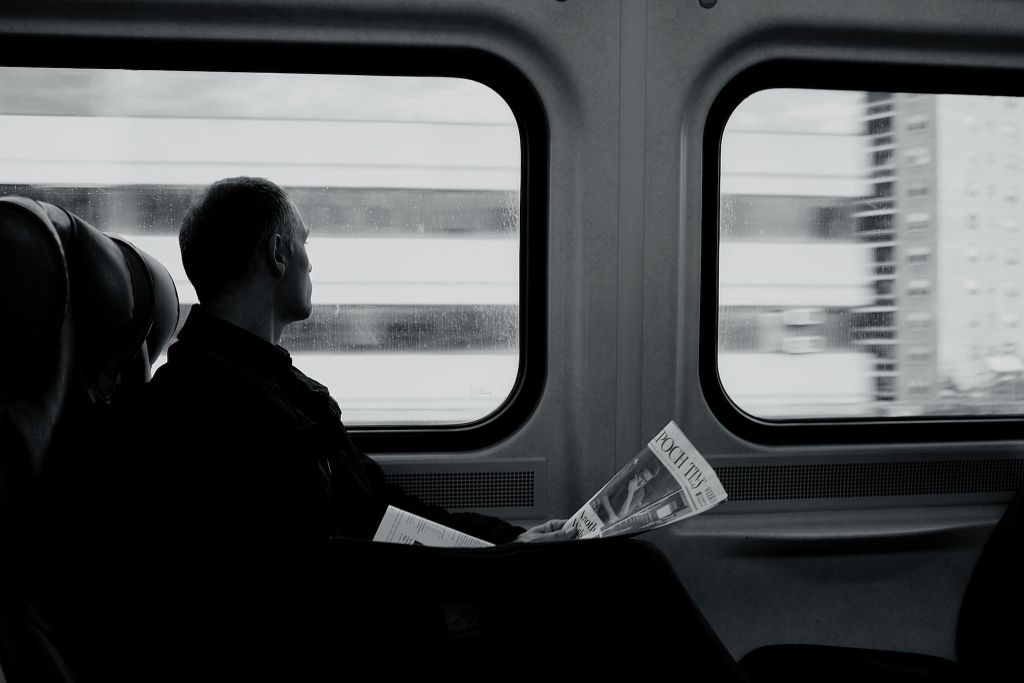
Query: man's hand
point(550, 530)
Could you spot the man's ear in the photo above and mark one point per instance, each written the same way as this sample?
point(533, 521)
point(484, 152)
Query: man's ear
point(277, 259)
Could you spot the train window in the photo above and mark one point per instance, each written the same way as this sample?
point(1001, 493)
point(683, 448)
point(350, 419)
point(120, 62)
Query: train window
point(410, 186)
point(855, 204)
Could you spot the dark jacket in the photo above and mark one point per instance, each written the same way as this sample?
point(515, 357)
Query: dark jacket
point(237, 474)
point(264, 446)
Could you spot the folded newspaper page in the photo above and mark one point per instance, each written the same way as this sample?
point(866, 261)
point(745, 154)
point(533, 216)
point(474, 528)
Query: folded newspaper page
point(399, 526)
point(667, 481)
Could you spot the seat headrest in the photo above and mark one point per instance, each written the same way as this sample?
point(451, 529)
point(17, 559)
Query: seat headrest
point(57, 270)
point(33, 287)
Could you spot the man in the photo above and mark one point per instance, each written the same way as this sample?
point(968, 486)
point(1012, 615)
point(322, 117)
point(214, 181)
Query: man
point(219, 518)
point(250, 470)
point(243, 246)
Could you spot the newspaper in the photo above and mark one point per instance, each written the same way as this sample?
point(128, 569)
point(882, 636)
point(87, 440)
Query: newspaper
point(399, 526)
point(667, 481)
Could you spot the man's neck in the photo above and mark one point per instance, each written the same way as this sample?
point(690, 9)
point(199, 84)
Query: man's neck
point(251, 316)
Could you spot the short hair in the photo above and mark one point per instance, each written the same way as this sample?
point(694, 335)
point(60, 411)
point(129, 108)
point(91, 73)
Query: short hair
point(224, 231)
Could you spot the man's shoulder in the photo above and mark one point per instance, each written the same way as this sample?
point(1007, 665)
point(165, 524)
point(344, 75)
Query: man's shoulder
point(202, 379)
point(195, 372)
point(192, 412)
point(206, 384)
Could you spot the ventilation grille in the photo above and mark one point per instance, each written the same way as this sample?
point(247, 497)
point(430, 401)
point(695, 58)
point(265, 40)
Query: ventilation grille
point(461, 490)
point(856, 480)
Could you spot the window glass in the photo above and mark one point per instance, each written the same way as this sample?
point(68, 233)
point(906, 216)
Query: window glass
point(894, 218)
point(410, 186)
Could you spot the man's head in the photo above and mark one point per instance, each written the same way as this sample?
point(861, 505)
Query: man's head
point(244, 233)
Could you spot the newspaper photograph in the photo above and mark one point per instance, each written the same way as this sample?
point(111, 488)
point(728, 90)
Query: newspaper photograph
point(399, 526)
point(667, 481)
point(669, 509)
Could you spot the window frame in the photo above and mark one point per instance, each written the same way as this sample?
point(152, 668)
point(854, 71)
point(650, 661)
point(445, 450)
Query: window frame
point(487, 68)
point(827, 75)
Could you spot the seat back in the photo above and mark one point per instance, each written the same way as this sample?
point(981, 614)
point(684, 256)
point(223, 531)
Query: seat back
point(83, 316)
point(513, 610)
point(989, 636)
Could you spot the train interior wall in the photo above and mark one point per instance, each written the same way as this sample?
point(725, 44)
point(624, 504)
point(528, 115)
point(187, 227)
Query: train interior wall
point(626, 88)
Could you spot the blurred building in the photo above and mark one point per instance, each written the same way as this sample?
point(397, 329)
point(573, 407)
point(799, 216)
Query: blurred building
point(793, 272)
point(943, 219)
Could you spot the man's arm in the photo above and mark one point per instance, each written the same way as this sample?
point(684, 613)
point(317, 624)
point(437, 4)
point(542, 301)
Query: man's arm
point(549, 531)
point(485, 527)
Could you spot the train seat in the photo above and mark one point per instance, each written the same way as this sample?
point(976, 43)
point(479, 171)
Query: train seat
point(83, 315)
point(988, 634)
point(575, 606)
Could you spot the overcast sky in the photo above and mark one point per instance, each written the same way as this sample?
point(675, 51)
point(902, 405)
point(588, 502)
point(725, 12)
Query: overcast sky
point(784, 110)
point(87, 92)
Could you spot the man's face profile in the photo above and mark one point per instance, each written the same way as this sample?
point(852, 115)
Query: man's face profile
point(297, 287)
